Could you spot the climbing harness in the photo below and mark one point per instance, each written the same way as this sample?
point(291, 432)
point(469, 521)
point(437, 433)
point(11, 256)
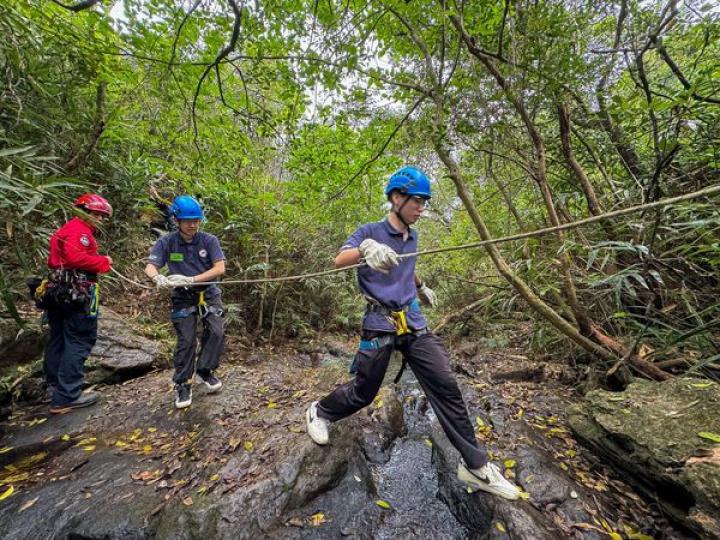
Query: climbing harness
point(201, 308)
point(380, 342)
point(396, 317)
point(66, 289)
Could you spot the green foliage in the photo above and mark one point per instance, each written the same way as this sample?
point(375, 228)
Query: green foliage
point(290, 138)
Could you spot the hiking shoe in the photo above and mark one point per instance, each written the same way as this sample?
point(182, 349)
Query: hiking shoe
point(183, 397)
point(488, 478)
point(211, 381)
point(84, 400)
point(317, 427)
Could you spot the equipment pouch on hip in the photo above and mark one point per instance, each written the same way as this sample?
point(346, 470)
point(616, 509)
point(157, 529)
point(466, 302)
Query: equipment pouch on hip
point(182, 313)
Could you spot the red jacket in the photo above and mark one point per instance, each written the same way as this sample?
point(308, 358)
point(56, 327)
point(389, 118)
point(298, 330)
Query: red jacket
point(73, 247)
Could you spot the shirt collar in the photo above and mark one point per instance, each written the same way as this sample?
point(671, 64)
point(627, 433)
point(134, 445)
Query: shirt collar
point(85, 224)
point(194, 241)
point(394, 232)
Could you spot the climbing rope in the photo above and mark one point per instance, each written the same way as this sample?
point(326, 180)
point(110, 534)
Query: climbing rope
point(473, 245)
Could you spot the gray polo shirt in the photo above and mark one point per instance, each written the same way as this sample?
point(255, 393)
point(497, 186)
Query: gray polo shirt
point(188, 258)
point(395, 289)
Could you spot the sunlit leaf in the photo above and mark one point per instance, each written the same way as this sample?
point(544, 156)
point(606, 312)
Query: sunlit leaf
point(9, 491)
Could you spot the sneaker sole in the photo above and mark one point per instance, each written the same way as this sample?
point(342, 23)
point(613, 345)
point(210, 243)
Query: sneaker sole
point(183, 405)
point(469, 480)
point(211, 389)
point(307, 428)
point(63, 409)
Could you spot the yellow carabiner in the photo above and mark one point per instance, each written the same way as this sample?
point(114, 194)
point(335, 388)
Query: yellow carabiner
point(400, 322)
point(202, 306)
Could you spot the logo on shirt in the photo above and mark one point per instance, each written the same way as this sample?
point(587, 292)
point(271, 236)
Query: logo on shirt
point(202, 253)
point(177, 257)
point(84, 240)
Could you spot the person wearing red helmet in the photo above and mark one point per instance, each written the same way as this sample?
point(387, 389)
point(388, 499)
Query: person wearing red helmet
point(74, 265)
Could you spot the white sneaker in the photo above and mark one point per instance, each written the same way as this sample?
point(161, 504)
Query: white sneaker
point(488, 478)
point(183, 395)
point(317, 427)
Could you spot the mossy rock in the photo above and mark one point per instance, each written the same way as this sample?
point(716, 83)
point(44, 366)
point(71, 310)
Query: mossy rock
point(651, 432)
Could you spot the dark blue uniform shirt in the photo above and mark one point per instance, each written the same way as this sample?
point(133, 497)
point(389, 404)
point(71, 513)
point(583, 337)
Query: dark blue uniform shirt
point(395, 289)
point(188, 258)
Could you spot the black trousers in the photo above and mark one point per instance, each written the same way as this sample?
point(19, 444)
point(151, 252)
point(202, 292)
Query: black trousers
point(73, 333)
point(212, 339)
point(427, 357)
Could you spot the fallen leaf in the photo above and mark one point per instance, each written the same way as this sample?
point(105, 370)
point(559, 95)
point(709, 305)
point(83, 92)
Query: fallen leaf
point(615, 536)
point(215, 478)
point(234, 443)
point(524, 495)
point(573, 494)
point(187, 501)
point(9, 491)
point(5, 449)
point(383, 504)
point(147, 448)
point(248, 446)
point(317, 519)
point(272, 404)
point(65, 437)
point(15, 478)
point(152, 429)
point(295, 522)
point(509, 463)
point(89, 448)
point(85, 442)
point(295, 429)
point(28, 504)
point(500, 527)
point(701, 385)
point(714, 437)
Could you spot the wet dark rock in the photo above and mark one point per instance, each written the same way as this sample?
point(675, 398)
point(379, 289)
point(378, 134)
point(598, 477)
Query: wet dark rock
point(481, 512)
point(650, 432)
point(119, 353)
point(263, 506)
point(386, 424)
point(20, 345)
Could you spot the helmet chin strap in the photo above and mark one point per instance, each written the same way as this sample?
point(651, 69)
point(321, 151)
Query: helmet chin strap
point(399, 215)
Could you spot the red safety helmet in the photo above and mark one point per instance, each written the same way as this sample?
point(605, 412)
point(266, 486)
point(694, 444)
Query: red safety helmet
point(92, 202)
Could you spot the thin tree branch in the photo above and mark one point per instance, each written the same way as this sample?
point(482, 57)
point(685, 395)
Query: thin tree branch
point(220, 57)
point(179, 31)
point(80, 6)
point(380, 151)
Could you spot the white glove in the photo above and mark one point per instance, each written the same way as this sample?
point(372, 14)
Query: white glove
point(378, 256)
point(161, 282)
point(177, 280)
point(427, 295)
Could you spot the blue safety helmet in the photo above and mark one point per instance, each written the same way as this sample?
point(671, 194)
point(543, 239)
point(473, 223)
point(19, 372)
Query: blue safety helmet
point(186, 207)
point(409, 181)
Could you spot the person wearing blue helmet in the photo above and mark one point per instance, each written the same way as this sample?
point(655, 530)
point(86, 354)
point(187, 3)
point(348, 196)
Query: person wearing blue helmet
point(192, 257)
point(393, 321)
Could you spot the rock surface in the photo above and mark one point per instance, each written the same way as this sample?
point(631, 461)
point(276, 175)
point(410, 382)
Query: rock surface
point(651, 432)
point(119, 353)
point(239, 464)
point(20, 346)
